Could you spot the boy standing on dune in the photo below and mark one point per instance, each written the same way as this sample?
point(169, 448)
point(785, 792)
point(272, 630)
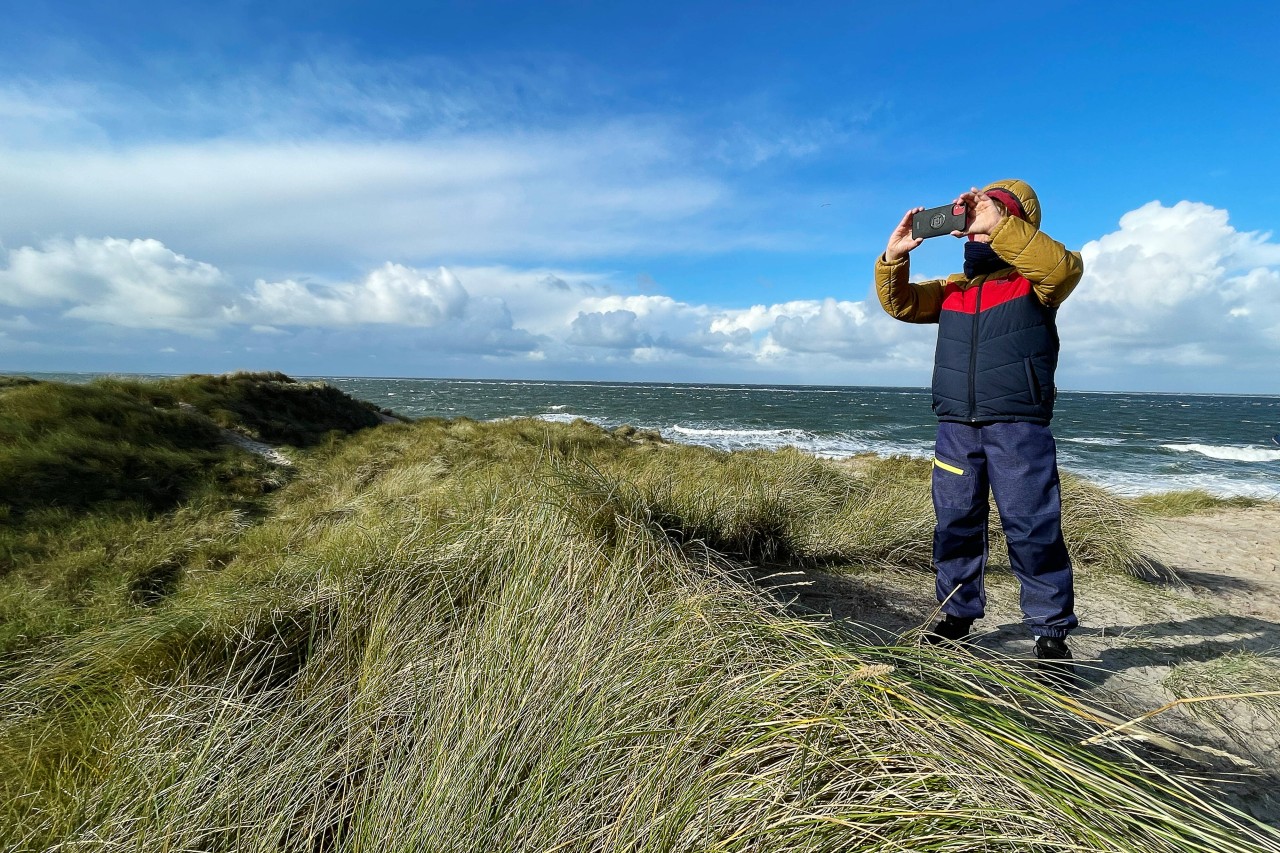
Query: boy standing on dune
point(993, 394)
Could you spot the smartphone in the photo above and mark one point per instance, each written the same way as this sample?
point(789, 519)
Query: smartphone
point(937, 221)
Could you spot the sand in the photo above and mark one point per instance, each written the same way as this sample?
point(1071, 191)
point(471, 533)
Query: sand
point(1132, 634)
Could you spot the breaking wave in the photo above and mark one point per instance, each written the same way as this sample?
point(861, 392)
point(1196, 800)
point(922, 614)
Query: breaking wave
point(736, 433)
point(1227, 453)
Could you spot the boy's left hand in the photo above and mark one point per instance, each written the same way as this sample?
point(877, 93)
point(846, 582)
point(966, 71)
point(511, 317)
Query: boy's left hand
point(982, 213)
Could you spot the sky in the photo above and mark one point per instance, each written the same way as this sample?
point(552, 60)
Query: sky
point(685, 192)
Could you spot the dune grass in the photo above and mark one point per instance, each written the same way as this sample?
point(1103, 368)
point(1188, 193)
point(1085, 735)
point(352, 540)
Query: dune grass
point(111, 491)
point(1099, 527)
point(1189, 502)
point(270, 407)
point(518, 636)
point(1247, 709)
point(79, 447)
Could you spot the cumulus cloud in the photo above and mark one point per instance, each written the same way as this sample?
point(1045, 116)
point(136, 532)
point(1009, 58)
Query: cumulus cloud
point(553, 314)
point(657, 326)
point(1165, 256)
point(1176, 286)
point(392, 293)
point(797, 333)
point(848, 329)
point(138, 284)
point(544, 299)
point(760, 318)
point(609, 329)
point(142, 284)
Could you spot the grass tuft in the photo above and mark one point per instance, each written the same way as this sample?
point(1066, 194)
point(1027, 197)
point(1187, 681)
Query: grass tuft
point(1248, 710)
point(1177, 504)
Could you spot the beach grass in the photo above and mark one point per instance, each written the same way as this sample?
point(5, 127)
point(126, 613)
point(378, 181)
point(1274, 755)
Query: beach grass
point(1189, 502)
point(1237, 693)
point(110, 491)
point(519, 635)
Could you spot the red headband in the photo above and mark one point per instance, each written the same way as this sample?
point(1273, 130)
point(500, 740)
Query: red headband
point(1009, 200)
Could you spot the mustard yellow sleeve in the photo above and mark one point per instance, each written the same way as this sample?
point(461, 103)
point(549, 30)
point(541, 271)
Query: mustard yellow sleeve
point(1052, 269)
point(913, 303)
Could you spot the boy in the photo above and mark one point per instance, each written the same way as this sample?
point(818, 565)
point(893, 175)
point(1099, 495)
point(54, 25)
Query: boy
point(993, 393)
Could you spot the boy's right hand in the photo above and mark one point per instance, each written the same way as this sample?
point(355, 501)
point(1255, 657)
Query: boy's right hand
point(900, 241)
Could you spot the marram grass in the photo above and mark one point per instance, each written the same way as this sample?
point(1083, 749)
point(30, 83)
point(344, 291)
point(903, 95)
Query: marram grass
point(1239, 693)
point(452, 636)
point(1190, 502)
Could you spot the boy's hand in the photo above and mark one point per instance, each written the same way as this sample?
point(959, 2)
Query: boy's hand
point(982, 213)
point(900, 241)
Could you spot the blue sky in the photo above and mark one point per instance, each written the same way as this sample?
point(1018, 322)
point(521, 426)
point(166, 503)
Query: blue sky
point(687, 192)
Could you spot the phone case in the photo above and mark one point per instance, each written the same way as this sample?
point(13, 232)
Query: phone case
point(937, 221)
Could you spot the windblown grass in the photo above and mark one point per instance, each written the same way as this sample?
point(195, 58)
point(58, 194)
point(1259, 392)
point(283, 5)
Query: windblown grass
point(1246, 709)
point(1177, 504)
point(111, 491)
point(455, 636)
point(270, 407)
point(1099, 527)
point(76, 447)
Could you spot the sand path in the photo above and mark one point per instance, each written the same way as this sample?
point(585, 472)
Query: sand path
point(1132, 633)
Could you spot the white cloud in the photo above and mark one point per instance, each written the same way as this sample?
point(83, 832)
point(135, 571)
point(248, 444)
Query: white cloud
point(393, 294)
point(608, 329)
point(562, 315)
point(760, 318)
point(137, 284)
point(544, 299)
point(318, 94)
point(851, 329)
point(773, 132)
point(657, 326)
point(799, 333)
point(1175, 286)
point(320, 164)
point(142, 284)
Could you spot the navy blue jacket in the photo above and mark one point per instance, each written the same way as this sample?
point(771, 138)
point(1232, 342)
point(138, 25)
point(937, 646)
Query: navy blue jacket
point(997, 336)
point(997, 353)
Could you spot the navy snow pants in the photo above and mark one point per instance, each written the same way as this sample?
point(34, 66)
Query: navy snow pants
point(1018, 463)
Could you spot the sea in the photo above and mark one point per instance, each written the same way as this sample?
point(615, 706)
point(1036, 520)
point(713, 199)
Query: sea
point(1131, 443)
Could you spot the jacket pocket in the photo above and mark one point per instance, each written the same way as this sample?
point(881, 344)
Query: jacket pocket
point(1033, 384)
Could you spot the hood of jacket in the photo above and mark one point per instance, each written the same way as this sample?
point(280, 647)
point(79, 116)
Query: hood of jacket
point(1026, 196)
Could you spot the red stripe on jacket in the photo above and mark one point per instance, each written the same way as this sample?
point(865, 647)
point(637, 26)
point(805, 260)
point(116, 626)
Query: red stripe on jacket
point(995, 292)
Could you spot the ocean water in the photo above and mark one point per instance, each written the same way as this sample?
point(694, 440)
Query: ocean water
point(1131, 443)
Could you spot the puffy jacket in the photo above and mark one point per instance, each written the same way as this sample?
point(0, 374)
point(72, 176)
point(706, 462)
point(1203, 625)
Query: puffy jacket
point(997, 336)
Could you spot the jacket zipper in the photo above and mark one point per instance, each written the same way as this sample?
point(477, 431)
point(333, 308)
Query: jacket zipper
point(973, 357)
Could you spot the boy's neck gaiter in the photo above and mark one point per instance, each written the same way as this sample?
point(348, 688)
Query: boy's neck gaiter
point(981, 259)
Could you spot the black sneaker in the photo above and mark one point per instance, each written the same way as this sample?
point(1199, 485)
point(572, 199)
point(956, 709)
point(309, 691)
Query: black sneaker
point(1053, 661)
point(951, 631)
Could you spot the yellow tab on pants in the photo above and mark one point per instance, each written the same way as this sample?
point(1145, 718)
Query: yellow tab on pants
point(945, 467)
